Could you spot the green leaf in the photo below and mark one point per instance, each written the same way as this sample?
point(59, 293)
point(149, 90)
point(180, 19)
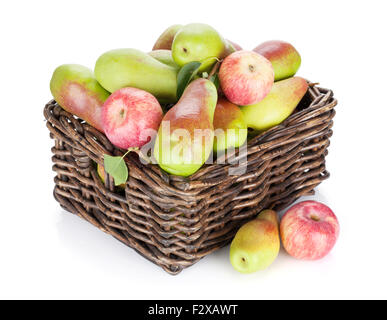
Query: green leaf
point(116, 167)
point(185, 75)
point(215, 79)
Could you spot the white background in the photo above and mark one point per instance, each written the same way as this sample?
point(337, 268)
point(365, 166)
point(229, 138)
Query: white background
point(48, 253)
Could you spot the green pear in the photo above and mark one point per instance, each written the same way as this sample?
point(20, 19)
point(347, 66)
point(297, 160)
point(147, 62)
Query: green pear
point(166, 38)
point(76, 90)
point(199, 42)
point(229, 125)
point(122, 68)
point(164, 56)
point(277, 106)
point(256, 245)
point(186, 134)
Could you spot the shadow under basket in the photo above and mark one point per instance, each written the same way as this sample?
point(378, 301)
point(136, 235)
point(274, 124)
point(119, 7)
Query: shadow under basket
point(175, 221)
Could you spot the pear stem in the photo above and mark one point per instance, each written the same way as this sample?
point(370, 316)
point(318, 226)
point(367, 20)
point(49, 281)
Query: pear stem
point(214, 69)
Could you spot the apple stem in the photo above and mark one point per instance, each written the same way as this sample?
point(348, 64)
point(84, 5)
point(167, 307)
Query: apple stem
point(315, 218)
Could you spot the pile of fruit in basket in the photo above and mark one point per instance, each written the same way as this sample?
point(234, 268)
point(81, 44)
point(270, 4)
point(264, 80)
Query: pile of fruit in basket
point(194, 95)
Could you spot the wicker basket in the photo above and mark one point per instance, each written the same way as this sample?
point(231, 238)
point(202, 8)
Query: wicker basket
point(174, 221)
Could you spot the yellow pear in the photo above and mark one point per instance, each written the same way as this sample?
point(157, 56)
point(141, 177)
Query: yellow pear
point(277, 106)
point(257, 244)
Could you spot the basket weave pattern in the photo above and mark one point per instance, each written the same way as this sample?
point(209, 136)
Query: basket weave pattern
point(175, 221)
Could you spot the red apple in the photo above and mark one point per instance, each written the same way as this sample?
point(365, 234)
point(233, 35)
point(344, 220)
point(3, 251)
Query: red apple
point(130, 117)
point(246, 77)
point(309, 230)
